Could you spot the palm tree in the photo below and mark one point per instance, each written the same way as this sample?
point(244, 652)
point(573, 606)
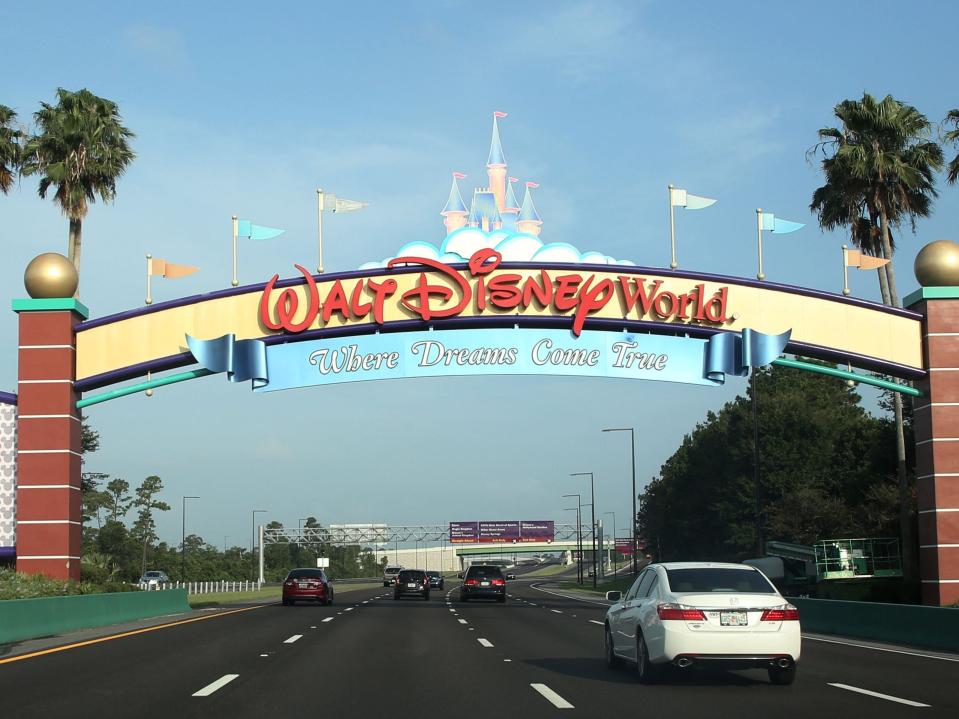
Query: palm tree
point(9, 148)
point(880, 170)
point(953, 137)
point(80, 149)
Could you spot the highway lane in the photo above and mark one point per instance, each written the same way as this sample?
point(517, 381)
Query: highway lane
point(369, 654)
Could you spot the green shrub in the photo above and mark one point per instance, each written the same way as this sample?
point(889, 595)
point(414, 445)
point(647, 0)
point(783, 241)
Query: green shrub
point(31, 586)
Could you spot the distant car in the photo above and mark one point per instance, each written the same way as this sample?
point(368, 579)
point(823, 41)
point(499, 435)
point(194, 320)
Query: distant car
point(436, 579)
point(483, 581)
point(412, 582)
point(389, 574)
point(154, 577)
point(703, 614)
point(307, 584)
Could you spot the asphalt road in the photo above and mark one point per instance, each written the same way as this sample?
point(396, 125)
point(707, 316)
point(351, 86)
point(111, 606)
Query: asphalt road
point(368, 654)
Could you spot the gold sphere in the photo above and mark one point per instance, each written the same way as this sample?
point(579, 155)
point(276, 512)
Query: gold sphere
point(50, 275)
point(937, 264)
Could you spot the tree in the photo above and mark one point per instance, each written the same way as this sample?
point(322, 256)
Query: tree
point(952, 136)
point(144, 529)
point(880, 166)
point(9, 148)
point(80, 149)
point(118, 500)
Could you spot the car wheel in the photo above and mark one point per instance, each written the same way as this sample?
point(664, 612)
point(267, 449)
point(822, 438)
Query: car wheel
point(783, 677)
point(501, 600)
point(646, 671)
point(612, 661)
point(286, 602)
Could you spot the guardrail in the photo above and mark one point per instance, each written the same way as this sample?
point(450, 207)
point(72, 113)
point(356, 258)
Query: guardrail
point(204, 587)
point(932, 627)
point(47, 616)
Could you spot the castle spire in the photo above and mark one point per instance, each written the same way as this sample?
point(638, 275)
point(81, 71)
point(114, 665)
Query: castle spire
point(529, 220)
point(512, 204)
point(455, 212)
point(496, 165)
point(496, 156)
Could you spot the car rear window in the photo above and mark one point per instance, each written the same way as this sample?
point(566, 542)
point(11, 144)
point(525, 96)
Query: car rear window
point(433, 574)
point(491, 572)
point(710, 579)
point(306, 574)
point(411, 575)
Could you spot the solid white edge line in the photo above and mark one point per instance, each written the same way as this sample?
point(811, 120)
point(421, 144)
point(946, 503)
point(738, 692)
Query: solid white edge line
point(567, 596)
point(555, 611)
point(552, 697)
point(218, 684)
point(907, 702)
point(292, 639)
point(593, 621)
point(881, 649)
point(485, 642)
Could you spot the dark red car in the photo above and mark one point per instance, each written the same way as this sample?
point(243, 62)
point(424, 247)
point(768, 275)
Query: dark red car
point(307, 585)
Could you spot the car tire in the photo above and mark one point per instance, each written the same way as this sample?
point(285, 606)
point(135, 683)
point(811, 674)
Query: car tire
point(501, 600)
point(646, 671)
point(287, 602)
point(612, 661)
point(782, 677)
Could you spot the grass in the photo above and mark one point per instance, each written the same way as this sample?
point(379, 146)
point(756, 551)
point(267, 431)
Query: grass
point(267, 594)
point(621, 584)
point(549, 570)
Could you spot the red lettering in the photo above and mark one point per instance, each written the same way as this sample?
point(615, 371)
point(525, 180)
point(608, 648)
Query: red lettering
point(591, 299)
point(424, 291)
point(359, 309)
point(658, 303)
point(503, 291)
point(715, 307)
point(336, 302)
point(543, 290)
point(630, 298)
point(381, 291)
point(566, 288)
point(287, 305)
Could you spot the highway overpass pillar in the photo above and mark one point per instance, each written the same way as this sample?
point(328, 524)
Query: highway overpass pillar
point(48, 438)
point(936, 427)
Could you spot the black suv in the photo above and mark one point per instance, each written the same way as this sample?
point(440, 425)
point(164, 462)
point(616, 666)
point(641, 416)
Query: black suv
point(481, 580)
point(436, 579)
point(412, 582)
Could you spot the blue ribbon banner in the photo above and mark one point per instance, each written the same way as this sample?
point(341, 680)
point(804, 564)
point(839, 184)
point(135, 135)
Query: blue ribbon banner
point(446, 353)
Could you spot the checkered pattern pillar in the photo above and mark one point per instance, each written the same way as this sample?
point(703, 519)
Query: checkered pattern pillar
point(48, 439)
point(937, 445)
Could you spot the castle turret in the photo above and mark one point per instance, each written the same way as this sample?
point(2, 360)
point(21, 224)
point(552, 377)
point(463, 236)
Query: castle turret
point(496, 165)
point(529, 220)
point(511, 210)
point(483, 211)
point(455, 212)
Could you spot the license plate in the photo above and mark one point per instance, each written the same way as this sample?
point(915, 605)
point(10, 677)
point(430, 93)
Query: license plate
point(411, 585)
point(733, 619)
point(484, 584)
point(303, 585)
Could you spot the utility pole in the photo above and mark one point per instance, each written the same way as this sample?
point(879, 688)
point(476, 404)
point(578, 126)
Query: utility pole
point(613, 555)
point(253, 545)
point(592, 493)
point(579, 537)
point(632, 444)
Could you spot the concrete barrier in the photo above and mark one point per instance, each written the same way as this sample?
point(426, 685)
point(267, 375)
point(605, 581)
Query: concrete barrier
point(31, 618)
point(931, 627)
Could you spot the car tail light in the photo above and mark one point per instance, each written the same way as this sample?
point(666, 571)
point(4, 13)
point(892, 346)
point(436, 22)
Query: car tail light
point(679, 612)
point(471, 582)
point(499, 582)
point(785, 613)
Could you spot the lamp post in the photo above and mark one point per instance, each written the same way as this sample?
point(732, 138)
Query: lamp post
point(226, 537)
point(632, 444)
point(614, 541)
point(592, 496)
point(579, 538)
point(253, 543)
point(183, 542)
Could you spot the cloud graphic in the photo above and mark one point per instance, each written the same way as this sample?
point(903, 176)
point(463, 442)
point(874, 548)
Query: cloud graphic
point(460, 244)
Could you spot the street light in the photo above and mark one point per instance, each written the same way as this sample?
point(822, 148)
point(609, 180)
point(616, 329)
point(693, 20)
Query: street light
point(183, 542)
point(632, 444)
point(579, 539)
point(614, 541)
point(253, 543)
point(592, 492)
point(224, 544)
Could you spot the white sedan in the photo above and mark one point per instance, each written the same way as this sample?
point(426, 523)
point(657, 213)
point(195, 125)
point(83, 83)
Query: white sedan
point(706, 614)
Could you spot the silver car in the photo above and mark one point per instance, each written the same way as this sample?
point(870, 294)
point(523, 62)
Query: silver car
point(154, 577)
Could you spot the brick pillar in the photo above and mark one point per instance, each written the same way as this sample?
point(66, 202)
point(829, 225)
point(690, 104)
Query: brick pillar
point(937, 445)
point(48, 439)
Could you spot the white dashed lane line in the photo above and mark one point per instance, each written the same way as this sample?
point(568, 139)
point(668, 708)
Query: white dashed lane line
point(292, 639)
point(593, 621)
point(218, 684)
point(552, 697)
point(485, 642)
point(877, 695)
point(555, 611)
point(328, 619)
point(462, 621)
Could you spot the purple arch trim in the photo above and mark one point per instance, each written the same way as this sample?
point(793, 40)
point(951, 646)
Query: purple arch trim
point(586, 268)
point(8, 398)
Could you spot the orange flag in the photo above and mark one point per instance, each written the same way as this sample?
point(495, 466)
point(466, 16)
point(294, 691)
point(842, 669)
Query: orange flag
point(170, 270)
point(855, 258)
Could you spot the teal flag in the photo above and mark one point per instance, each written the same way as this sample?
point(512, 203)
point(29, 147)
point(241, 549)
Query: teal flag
point(771, 223)
point(245, 228)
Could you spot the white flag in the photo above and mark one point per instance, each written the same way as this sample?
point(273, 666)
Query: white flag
point(339, 204)
point(681, 198)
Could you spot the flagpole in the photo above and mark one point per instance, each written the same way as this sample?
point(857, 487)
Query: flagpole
point(149, 299)
point(319, 227)
point(235, 281)
point(672, 229)
point(759, 229)
point(845, 271)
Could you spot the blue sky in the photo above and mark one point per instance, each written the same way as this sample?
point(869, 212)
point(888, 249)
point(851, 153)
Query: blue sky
point(248, 110)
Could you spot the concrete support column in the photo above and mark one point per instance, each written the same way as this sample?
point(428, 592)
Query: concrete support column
point(936, 427)
point(49, 439)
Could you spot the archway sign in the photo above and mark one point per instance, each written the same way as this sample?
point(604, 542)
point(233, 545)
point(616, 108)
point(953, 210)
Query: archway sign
point(488, 301)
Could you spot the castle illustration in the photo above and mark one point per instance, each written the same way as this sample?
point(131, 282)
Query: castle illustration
point(493, 207)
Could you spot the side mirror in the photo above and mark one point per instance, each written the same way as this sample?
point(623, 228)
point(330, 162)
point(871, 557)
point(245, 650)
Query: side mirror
point(330, 580)
point(459, 576)
point(614, 596)
point(511, 576)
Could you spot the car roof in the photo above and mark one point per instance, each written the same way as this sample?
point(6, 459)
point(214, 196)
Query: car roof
point(701, 565)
